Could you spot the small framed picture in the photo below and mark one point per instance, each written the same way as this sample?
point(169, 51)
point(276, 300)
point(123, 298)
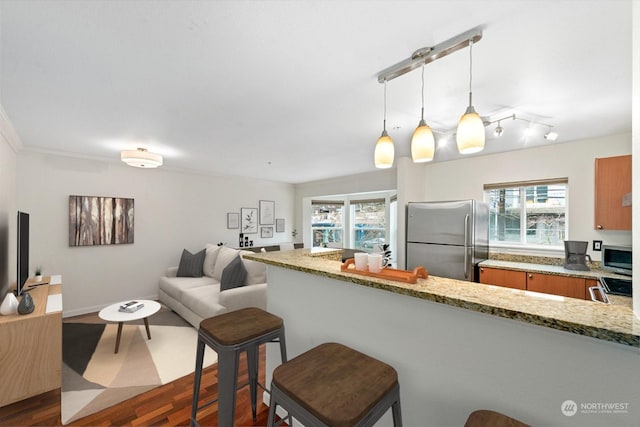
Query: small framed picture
point(233, 220)
point(249, 220)
point(279, 225)
point(267, 212)
point(266, 232)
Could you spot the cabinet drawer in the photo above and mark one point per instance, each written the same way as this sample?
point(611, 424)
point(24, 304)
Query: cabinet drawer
point(506, 278)
point(573, 287)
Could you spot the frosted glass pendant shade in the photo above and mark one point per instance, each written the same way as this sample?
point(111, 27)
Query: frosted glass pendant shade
point(422, 144)
point(384, 152)
point(470, 134)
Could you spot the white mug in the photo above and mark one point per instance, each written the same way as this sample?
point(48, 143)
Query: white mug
point(361, 258)
point(375, 263)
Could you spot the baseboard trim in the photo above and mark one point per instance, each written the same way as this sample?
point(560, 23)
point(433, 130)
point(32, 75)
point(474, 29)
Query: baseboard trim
point(97, 308)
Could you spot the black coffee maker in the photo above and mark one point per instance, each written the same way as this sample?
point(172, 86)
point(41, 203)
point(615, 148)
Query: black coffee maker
point(575, 255)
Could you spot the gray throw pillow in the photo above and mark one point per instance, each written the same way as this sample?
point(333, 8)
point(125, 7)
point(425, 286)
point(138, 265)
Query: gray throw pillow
point(233, 275)
point(191, 264)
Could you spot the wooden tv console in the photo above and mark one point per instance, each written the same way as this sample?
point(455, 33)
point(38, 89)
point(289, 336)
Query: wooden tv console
point(31, 346)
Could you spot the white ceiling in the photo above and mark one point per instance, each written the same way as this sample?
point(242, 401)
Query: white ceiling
point(287, 91)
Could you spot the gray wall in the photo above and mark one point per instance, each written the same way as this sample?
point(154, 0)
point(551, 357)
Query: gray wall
point(464, 179)
point(173, 210)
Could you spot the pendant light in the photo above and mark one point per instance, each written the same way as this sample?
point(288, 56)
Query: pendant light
point(384, 152)
point(422, 142)
point(470, 134)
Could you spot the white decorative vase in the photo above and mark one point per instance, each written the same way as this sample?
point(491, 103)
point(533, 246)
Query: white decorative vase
point(9, 305)
point(38, 278)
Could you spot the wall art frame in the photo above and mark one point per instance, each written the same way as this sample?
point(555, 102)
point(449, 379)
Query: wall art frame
point(279, 225)
point(95, 220)
point(266, 232)
point(233, 220)
point(249, 220)
point(267, 212)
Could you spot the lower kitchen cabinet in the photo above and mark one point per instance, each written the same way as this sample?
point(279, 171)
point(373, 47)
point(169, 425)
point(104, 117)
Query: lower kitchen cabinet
point(573, 287)
point(506, 278)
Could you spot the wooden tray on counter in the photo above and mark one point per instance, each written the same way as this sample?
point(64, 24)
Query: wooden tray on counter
point(388, 273)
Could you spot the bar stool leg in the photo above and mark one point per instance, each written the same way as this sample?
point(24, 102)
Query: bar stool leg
point(283, 346)
point(196, 382)
point(227, 380)
point(252, 364)
point(272, 408)
point(397, 414)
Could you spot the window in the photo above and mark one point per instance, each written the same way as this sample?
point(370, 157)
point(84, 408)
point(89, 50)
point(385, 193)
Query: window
point(327, 225)
point(528, 213)
point(369, 224)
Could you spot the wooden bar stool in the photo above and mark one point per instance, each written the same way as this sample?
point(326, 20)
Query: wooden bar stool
point(229, 334)
point(334, 385)
point(487, 418)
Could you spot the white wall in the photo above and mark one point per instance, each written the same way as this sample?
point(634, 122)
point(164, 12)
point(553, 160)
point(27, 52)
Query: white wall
point(464, 179)
point(173, 210)
point(9, 143)
point(382, 180)
point(451, 361)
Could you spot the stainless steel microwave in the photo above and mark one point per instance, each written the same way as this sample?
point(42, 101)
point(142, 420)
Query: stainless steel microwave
point(617, 259)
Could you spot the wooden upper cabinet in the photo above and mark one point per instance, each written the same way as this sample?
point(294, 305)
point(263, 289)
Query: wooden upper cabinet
point(505, 278)
point(613, 183)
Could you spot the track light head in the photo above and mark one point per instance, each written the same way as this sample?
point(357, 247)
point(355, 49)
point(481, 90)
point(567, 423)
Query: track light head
point(498, 131)
point(551, 136)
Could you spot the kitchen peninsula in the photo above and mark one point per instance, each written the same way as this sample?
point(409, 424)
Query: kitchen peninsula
point(460, 346)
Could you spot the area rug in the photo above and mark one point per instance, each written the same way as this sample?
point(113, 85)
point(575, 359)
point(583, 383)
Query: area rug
point(95, 378)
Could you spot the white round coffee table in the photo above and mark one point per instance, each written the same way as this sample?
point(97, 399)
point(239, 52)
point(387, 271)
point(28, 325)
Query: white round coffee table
point(112, 314)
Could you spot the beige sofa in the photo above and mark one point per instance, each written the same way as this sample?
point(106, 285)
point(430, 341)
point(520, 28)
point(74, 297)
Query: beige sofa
point(197, 298)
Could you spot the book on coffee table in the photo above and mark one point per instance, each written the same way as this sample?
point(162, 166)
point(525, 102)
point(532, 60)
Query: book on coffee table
point(131, 306)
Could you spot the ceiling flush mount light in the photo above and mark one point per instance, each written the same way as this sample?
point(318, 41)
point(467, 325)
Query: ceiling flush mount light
point(141, 158)
point(422, 142)
point(384, 152)
point(470, 135)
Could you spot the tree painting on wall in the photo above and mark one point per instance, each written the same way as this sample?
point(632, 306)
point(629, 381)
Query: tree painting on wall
point(249, 220)
point(100, 221)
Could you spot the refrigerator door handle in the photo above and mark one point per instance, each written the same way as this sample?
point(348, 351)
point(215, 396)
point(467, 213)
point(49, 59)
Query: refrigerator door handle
point(466, 246)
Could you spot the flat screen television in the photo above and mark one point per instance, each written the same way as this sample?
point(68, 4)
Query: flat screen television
point(23, 251)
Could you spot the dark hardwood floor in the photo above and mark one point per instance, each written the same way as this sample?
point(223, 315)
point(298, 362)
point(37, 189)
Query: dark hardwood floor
point(167, 405)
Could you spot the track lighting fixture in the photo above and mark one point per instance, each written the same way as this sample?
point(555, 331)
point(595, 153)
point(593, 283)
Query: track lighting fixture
point(470, 133)
point(384, 151)
point(528, 131)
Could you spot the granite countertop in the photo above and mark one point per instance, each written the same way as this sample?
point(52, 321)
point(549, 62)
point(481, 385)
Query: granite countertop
point(614, 322)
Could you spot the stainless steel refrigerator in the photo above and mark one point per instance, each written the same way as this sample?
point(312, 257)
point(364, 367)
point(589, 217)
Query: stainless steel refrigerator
point(448, 238)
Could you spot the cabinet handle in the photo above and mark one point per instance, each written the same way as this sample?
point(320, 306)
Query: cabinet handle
point(482, 270)
point(530, 276)
point(599, 227)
